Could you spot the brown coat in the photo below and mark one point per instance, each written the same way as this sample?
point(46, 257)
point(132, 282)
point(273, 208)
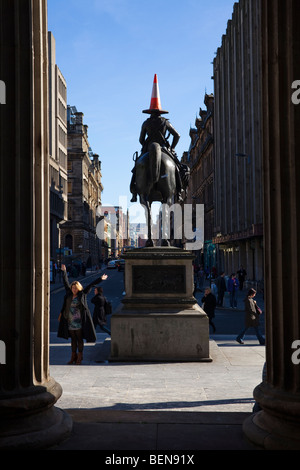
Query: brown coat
point(251, 315)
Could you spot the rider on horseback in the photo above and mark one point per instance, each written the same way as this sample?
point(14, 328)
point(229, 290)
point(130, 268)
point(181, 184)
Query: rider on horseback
point(155, 129)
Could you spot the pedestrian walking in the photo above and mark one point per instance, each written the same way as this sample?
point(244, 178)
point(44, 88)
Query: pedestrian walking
point(83, 268)
point(252, 313)
point(99, 315)
point(232, 287)
point(221, 286)
point(209, 302)
point(241, 276)
point(201, 276)
point(75, 320)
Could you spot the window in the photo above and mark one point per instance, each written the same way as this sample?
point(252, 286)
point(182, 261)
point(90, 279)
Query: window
point(69, 241)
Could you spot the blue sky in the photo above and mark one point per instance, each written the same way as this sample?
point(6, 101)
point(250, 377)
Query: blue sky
point(109, 51)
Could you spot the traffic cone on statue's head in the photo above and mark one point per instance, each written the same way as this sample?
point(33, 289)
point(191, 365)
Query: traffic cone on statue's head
point(155, 105)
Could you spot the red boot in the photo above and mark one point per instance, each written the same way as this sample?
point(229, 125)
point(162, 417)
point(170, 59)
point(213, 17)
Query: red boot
point(79, 358)
point(73, 358)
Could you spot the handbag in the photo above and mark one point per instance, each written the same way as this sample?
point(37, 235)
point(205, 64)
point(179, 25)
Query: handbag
point(107, 307)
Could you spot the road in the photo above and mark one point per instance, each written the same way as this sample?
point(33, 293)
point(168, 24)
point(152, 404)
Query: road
point(227, 321)
point(230, 321)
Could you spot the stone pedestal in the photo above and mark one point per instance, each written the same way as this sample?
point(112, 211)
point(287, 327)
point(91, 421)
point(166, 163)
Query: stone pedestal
point(160, 318)
point(277, 426)
point(28, 419)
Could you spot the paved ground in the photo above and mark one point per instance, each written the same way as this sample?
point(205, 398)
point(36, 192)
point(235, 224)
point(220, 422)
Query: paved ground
point(143, 406)
point(160, 406)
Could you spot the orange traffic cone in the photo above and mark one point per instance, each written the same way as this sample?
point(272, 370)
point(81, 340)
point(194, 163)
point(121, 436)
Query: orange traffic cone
point(155, 105)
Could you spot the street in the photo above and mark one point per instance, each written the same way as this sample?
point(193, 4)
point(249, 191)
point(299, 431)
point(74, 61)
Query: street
point(227, 321)
point(230, 321)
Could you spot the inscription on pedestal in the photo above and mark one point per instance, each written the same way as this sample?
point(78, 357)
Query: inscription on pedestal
point(162, 279)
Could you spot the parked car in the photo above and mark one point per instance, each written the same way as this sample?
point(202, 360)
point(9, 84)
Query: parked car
point(112, 264)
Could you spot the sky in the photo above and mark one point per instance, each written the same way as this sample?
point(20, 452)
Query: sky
point(109, 51)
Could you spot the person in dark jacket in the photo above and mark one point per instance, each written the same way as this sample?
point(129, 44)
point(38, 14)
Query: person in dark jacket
point(75, 320)
point(99, 315)
point(252, 313)
point(233, 285)
point(209, 302)
point(221, 286)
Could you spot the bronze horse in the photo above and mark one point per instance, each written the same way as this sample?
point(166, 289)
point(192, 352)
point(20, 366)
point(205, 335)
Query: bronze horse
point(156, 180)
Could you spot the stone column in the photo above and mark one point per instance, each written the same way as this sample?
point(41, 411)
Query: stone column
point(277, 426)
point(28, 419)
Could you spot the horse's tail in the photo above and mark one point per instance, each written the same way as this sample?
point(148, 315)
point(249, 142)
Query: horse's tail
point(155, 161)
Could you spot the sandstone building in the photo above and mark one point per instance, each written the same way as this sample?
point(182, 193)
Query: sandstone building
point(57, 148)
point(115, 231)
point(200, 159)
point(84, 194)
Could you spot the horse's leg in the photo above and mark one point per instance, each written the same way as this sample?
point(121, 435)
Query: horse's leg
point(149, 241)
point(147, 207)
point(165, 221)
point(167, 189)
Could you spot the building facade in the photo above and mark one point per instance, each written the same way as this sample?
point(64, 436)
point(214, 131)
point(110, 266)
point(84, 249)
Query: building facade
point(57, 148)
point(238, 192)
point(200, 159)
point(78, 233)
point(115, 235)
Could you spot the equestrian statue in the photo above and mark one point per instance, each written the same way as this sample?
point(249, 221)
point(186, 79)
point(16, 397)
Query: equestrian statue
point(158, 175)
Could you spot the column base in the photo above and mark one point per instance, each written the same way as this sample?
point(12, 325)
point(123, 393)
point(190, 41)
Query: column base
point(31, 422)
point(277, 426)
point(260, 432)
point(36, 432)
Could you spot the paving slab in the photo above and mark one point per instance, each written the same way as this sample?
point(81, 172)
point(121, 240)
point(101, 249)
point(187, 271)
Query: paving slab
point(158, 405)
